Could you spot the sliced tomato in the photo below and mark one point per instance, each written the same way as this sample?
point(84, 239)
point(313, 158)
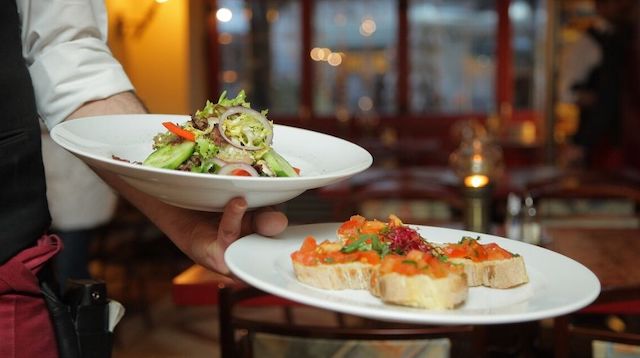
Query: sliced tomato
point(240, 173)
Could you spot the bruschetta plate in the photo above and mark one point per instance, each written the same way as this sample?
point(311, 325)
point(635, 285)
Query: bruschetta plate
point(557, 284)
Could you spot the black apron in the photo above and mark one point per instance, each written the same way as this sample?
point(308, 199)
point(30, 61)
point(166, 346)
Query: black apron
point(24, 215)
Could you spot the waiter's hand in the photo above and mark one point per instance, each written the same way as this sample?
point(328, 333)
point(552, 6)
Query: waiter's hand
point(207, 248)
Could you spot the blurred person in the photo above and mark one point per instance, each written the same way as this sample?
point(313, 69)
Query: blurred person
point(79, 203)
point(54, 63)
point(591, 77)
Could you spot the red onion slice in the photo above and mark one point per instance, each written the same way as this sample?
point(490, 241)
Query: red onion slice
point(255, 114)
point(229, 168)
point(211, 123)
point(219, 162)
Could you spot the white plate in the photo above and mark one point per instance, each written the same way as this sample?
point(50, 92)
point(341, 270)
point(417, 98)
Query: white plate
point(322, 159)
point(558, 285)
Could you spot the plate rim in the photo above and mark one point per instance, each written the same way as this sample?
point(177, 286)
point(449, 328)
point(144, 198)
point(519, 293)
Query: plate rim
point(430, 316)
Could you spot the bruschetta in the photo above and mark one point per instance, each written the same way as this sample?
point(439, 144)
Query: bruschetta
point(486, 264)
point(395, 263)
point(329, 265)
point(419, 279)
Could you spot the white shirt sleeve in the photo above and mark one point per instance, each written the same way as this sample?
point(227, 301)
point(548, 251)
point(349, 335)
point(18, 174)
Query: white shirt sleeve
point(578, 61)
point(65, 47)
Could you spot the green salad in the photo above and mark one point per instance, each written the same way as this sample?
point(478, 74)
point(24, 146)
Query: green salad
point(226, 138)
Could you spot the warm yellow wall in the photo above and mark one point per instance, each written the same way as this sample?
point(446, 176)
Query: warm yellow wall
point(157, 59)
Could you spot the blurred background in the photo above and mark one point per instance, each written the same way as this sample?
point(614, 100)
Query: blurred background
point(436, 90)
point(382, 73)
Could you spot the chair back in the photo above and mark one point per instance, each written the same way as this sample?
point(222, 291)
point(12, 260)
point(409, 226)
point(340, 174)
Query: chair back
point(583, 198)
point(253, 335)
point(415, 197)
point(586, 199)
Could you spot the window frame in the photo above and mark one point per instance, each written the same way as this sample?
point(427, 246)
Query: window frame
point(432, 125)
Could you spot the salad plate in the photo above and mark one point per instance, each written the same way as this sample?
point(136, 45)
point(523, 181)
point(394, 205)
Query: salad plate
point(557, 284)
point(120, 143)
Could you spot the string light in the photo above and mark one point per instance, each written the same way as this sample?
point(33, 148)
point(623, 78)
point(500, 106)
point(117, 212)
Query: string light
point(367, 27)
point(224, 15)
point(334, 59)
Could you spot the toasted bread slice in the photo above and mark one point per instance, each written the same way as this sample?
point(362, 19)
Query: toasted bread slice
point(486, 265)
point(419, 280)
point(505, 273)
point(326, 266)
point(422, 291)
point(353, 275)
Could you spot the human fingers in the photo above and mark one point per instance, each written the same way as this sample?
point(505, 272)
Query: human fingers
point(229, 230)
point(269, 222)
point(236, 221)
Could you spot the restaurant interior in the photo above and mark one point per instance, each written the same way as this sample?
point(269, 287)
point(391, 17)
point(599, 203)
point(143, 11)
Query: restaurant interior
point(471, 110)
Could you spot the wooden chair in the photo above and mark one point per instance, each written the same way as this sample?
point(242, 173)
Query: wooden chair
point(610, 200)
point(240, 335)
point(587, 198)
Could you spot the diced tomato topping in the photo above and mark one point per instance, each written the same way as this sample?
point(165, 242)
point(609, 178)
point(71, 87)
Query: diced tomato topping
point(416, 263)
point(309, 244)
point(456, 251)
point(311, 254)
point(473, 250)
point(370, 257)
point(372, 227)
point(350, 228)
point(359, 225)
point(495, 252)
point(306, 254)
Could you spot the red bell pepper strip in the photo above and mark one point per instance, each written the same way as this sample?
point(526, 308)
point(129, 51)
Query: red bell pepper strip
point(175, 129)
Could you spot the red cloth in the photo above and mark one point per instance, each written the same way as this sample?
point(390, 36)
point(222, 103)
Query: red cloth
point(25, 326)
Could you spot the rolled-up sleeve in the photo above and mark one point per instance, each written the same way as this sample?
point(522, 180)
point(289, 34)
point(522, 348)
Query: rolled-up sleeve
point(64, 45)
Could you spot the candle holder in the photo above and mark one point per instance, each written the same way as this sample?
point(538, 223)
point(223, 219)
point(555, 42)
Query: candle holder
point(477, 192)
point(477, 162)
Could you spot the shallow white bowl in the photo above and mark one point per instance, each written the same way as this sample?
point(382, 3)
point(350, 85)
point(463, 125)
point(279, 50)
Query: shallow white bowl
point(322, 159)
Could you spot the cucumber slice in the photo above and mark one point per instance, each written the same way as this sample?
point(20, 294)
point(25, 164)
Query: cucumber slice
point(170, 156)
point(278, 164)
